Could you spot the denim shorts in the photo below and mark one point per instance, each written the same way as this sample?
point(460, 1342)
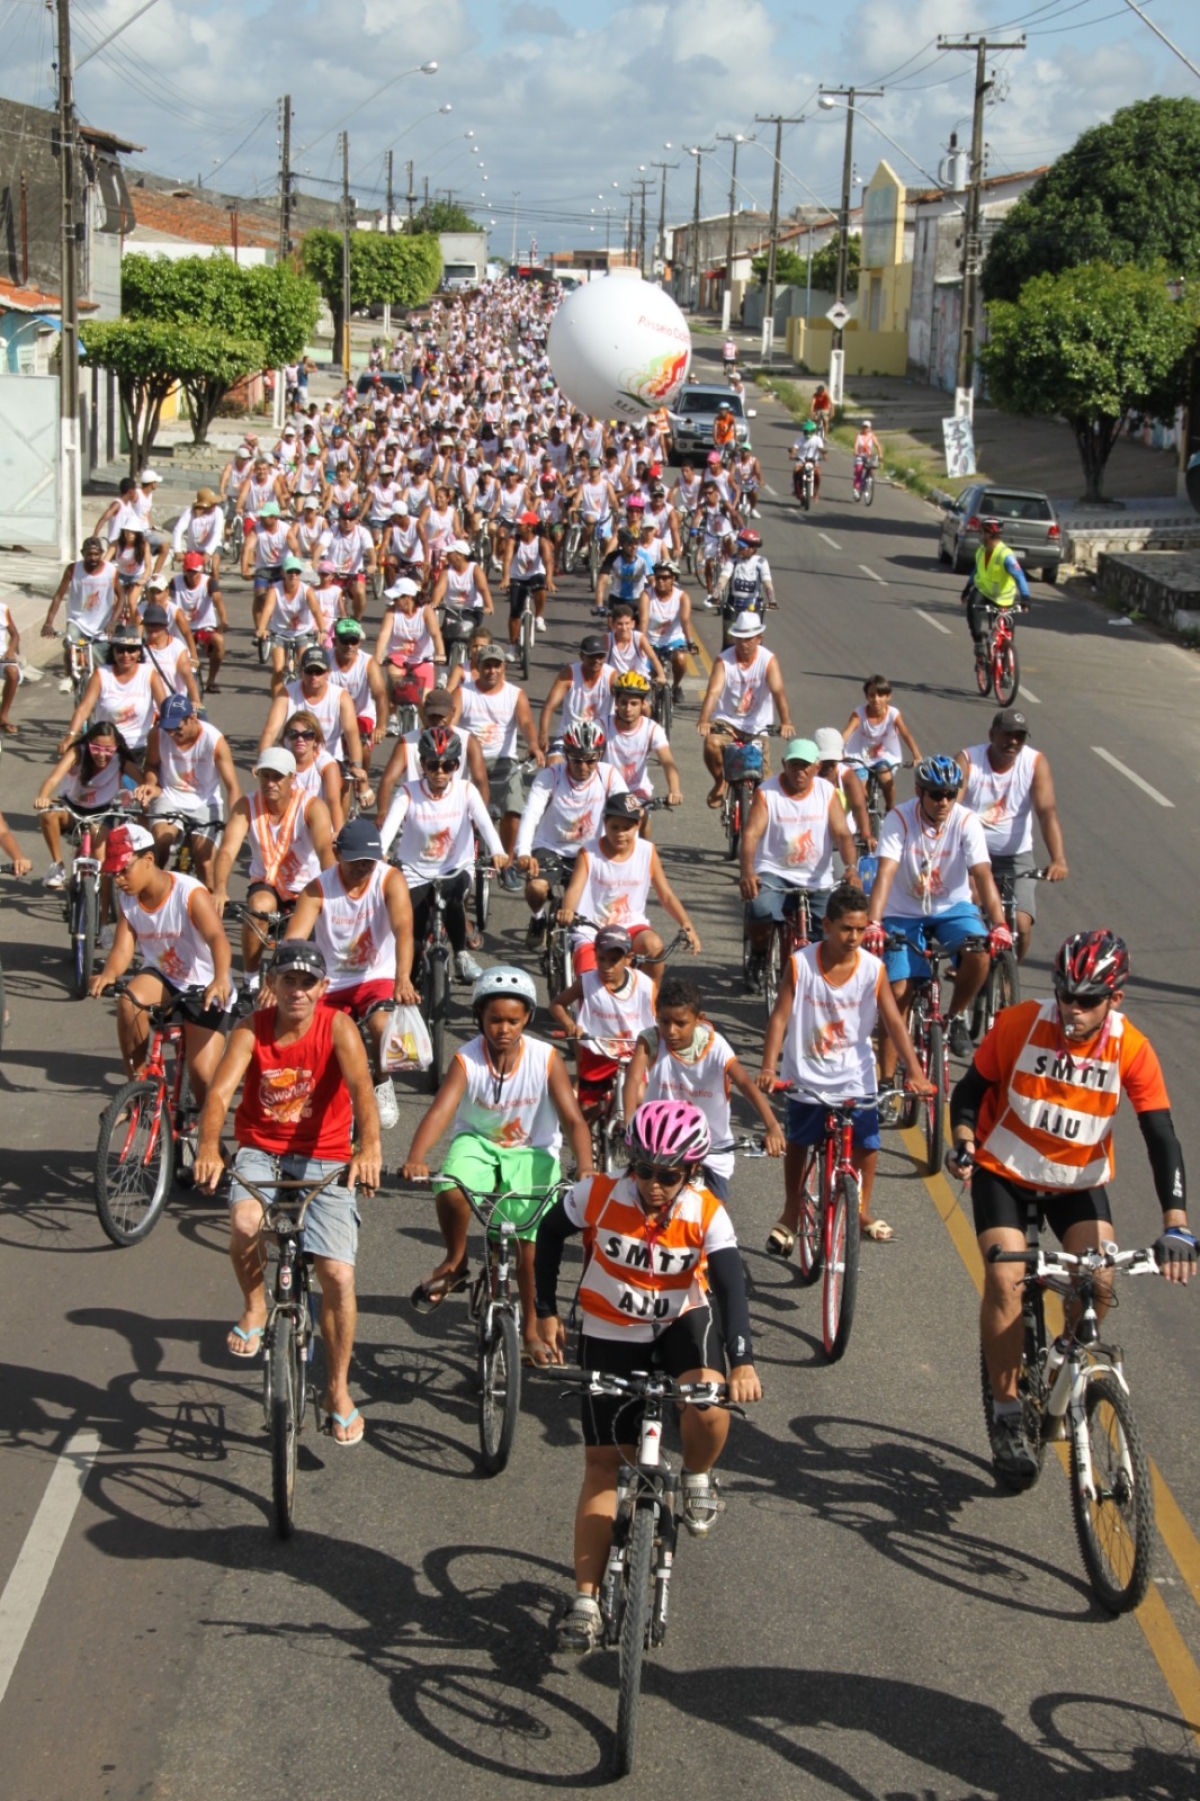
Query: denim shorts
point(949, 928)
point(773, 891)
point(332, 1221)
point(804, 1123)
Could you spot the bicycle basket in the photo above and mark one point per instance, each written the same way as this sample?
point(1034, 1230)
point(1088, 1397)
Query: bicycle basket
point(743, 762)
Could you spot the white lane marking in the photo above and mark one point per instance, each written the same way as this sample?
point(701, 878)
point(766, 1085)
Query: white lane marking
point(773, 492)
point(930, 620)
point(872, 574)
point(829, 541)
point(32, 1571)
point(1028, 694)
point(1133, 777)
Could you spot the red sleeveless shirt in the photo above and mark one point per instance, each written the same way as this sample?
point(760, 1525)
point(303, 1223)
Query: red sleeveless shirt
point(294, 1100)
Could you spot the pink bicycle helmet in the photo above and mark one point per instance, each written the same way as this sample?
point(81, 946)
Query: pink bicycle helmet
point(668, 1133)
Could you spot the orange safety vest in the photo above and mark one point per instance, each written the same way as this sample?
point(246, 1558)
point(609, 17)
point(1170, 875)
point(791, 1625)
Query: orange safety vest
point(724, 429)
point(636, 1274)
point(1047, 1119)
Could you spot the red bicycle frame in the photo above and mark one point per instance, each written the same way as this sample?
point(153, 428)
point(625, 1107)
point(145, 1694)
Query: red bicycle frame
point(155, 1070)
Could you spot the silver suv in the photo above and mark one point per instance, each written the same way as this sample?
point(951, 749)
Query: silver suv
point(691, 425)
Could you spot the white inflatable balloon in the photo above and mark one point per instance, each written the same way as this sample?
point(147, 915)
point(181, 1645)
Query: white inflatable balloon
point(620, 347)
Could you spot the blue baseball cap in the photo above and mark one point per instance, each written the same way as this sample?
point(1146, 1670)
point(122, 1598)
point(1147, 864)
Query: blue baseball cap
point(175, 709)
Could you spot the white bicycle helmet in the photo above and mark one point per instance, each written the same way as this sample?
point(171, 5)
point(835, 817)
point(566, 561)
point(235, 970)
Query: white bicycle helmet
point(506, 983)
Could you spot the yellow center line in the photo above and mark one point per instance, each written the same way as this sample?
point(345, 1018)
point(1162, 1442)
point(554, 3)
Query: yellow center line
point(1171, 1653)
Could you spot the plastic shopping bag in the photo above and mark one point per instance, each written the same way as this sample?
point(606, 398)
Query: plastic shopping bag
point(408, 1044)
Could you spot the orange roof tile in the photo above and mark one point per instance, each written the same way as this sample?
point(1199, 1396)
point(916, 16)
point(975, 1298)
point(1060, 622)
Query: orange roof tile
point(36, 300)
point(199, 223)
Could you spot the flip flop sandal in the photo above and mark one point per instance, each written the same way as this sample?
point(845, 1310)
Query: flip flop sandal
point(344, 1420)
point(428, 1295)
point(878, 1231)
point(781, 1241)
point(254, 1332)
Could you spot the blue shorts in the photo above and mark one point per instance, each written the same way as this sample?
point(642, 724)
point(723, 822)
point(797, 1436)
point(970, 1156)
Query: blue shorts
point(949, 928)
point(331, 1223)
point(804, 1123)
point(772, 896)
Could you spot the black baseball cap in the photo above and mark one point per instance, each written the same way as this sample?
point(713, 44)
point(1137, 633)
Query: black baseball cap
point(594, 645)
point(1010, 719)
point(359, 840)
point(298, 953)
point(623, 805)
point(315, 657)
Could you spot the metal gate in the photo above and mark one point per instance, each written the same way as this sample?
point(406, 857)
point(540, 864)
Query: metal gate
point(29, 466)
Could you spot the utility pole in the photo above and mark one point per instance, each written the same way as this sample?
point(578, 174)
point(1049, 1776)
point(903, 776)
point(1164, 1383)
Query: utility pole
point(285, 180)
point(699, 151)
point(391, 206)
point(516, 198)
point(410, 196)
point(735, 138)
point(69, 472)
point(641, 185)
point(972, 246)
point(837, 360)
point(345, 137)
point(661, 245)
point(778, 120)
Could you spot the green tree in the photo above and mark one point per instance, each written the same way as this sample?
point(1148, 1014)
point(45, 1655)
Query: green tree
point(271, 306)
point(1126, 192)
point(443, 215)
point(150, 357)
point(792, 268)
point(1091, 344)
point(399, 271)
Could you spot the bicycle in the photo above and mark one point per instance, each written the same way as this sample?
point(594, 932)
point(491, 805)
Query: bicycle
point(997, 668)
point(572, 546)
point(1003, 985)
point(927, 1029)
point(633, 1610)
point(608, 1119)
point(290, 1335)
point(293, 646)
point(521, 590)
point(829, 1235)
point(804, 483)
point(434, 978)
point(871, 775)
point(742, 768)
point(148, 1132)
point(864, 479)
point(81, 901)
point(182, 853)
point(1075, 1388)
point(268, 928)
point(791, 933)
point(494, 1307)
point(82, 656)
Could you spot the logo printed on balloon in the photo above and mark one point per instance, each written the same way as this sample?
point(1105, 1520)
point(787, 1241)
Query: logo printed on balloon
point(658, 384)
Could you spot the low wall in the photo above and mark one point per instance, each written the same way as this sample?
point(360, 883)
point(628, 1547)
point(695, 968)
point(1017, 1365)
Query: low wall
point(1163, 585)
point(867, 352)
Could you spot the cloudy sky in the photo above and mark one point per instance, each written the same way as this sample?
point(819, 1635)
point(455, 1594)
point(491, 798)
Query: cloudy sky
point(569, 103)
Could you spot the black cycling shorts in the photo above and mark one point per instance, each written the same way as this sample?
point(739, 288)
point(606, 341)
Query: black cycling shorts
point(1000, 1201)
point(192, 1009)
point(692, 1342)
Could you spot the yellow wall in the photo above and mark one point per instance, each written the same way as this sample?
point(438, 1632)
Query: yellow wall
point(867, 352)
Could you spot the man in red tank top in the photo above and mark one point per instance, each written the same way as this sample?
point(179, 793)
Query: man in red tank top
point(306, 1081)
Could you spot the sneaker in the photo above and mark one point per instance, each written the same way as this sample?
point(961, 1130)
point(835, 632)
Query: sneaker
point(55, 877)
point(65, 686)
point(701, 1503)
point(536, 932)
point(1013, 1458)
point(959, 1037)
point(466, 967)
point(539, 625)
point(710, 604)
point(511, 655)
point(754, 513)
point(393, 725)
point(511, 880)
point(752, 982)
point(385, 1100)
point(580, 1627)
point(105, 938)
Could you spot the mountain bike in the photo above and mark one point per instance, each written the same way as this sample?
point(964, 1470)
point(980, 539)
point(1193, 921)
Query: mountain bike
point(871, 776)
point(1075, 1388)
point(558, 958)
point(290, 1335)
point(148, 1131)
point(83, 656)
point(635, 1593)
point(927, 1029)
point(608, 1113)
point(81, 901)
point(432, 975)
point(1003, 985)
point(997, 669)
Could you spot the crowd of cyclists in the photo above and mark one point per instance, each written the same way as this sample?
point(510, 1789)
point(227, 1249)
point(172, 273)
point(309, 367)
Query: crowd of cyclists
point(380, 537)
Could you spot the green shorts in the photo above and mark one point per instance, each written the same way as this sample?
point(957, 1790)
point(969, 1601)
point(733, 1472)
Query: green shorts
point(484, 1167)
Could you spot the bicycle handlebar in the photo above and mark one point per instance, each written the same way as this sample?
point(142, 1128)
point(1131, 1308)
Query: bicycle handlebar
point(483, 1206)
point(1042, 1263)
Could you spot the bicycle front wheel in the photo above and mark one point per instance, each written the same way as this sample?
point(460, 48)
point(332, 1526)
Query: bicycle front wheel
point(840, 1290)
point(499, 1391)
point(483, 898)
point(773, 969)
point(135, 1162)
point(284, 1376)
point(635, 1624)
point(810, 1248)
point(1006, 674)
point(84, 924)
point(732, 819)
point(868, 488)
point(1002, 989)
point(438, 997)
point(527, 630)
point(1114, 1527)
point(935, 1105)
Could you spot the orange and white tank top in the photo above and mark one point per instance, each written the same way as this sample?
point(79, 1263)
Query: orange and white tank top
point(354, 933)
point(588, 700)
point(90, 597)
point(875, 740)
point(797, 845)
point(746, 699)
point(1002, 799)
point(512, 1109)
point(615, 894)
point(282, 853)
point(616, 1017)
point(630, 753)
point(702, 1081)
point(827, 1049)
point(101, 791)
point(291, 612)
point(129, 705)
point(1047, 1119)
point(639, 1279)
point(167, 937)
point(410, 636)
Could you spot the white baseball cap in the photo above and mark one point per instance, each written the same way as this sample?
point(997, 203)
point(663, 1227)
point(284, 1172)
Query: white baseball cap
point(276, 758)
point(830, 744)
point(462, 547)
point(150, 475)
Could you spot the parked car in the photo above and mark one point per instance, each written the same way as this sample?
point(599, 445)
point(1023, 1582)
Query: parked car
point(391, 379)
point(691, 424)
point(1027, 524)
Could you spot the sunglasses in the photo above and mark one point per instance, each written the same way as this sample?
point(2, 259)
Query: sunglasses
point(300, 737)
point(442, 765)
point(940, 793)
point(575, 757)
point(172, 731)
point(666, 1178)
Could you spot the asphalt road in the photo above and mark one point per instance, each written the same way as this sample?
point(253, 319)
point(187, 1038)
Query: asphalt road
point(870, 1619)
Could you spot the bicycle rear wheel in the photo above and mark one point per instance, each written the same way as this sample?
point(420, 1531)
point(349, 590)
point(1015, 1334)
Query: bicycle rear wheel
point(810, 1246)
point(635, 1624)
point(284, 1377)
point(935, 1105)
point(483, 898)
point(664, 706)
point(773, 969)
point(84, 926)
point(593, 558)
point(840, 1289)
point(499, 1390)
point(135, 1161)
point(438, 1009)
point(1114, 1529)
point(1006, 674)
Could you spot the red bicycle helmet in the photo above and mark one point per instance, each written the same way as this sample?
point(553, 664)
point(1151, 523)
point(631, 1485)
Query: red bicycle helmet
point(669, 1134)
point(438, 743)
point(1091, 966)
